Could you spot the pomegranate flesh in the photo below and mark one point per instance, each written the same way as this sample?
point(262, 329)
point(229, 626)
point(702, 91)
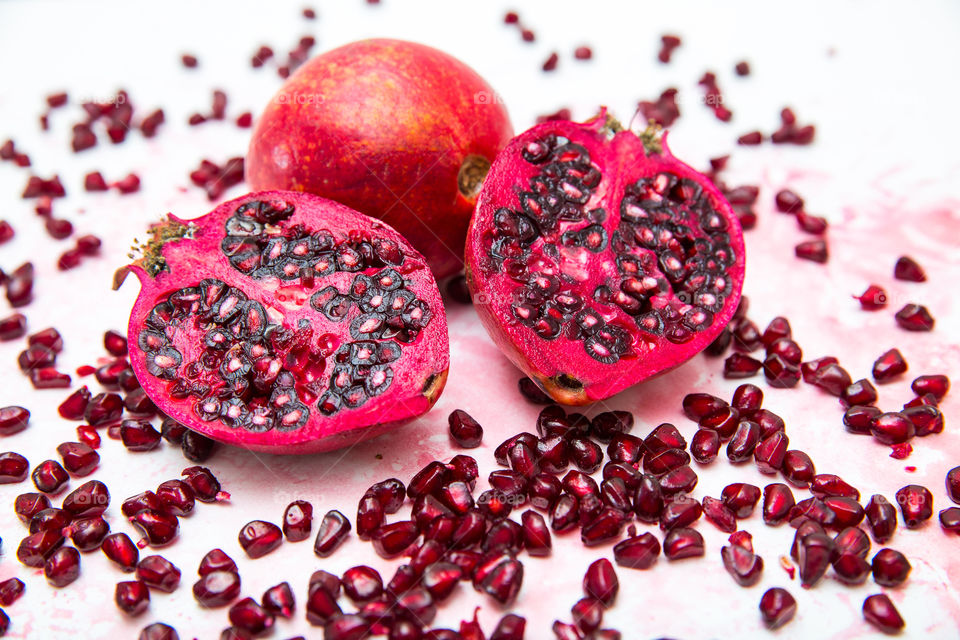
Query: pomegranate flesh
point(599, 253)
point(286, 323)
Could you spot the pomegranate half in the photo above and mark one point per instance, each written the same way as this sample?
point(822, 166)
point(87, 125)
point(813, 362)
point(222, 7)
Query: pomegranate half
point(397, 130)
point(287, 323)
point(597, 260)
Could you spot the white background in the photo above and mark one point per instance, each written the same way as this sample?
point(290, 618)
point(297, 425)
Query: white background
point(877, 79)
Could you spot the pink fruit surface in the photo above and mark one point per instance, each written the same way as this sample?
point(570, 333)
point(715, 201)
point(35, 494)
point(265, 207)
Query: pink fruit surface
point(599, 260)
point(287, 323)
point(397, 130)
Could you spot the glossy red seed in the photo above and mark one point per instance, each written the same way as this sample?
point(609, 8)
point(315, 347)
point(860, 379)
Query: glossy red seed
point(62, 567)
point(698, 405)
point(465, 431)
point(139, 435)
point(217, 589)
point(853, 540)
point(600, 582)
point(10, 591)
point(738, 365)
point(744, 441)
point(158, 573)
point(393, 539)
point(104, 409)
point(279, 600)
point(742, 564)
point(848, 511)
point(829, 484)
point(926, 419)
point(906, 268)
point(778, 500)
point(297, 520)
point(680, 512)
point(914, 317)
point(28, 505)
point(49, 476)
point(890, 568)
point(938, 385)
point(953, 484)
point(879, 611)
point(950, 519)
point(719, 514)
point(813, 250)
point(705, 445)
point(605, 426)
point(74, 407)
point(13, 420)
point(206, 487)
point(777, 607)
point(132, 597)
point(13, 327)
point(770, 452)
point(87, 534)
point(740, 498)
point(892, 428)
point(859, 418)
point(751, 138)
point(889, 366)
point(536, 535)
point(788, 201)
point(532, 392)
point(78, 458)
point(747, 397)
point(815, 554)
point(158, 528)
point(37, 547)
point(258, 538)
point(13, 468)
point(216, 560)
point(916, 505)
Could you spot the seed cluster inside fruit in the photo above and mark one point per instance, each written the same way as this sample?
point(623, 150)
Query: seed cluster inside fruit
point(664, 263)
point(253, 373)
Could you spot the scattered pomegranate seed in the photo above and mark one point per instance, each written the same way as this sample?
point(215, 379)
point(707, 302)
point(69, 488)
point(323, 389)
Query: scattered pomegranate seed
point(907, 269)
point(309, 13)
point(777, 606)
point(13, 327)
point(150, 124)
point(551, 62)
point(465, 431)
point(914, 317)
point(10, 591)
point(713, 98)
point(258, 538)
point(13, 420)
point(245, 120)
point(583, 53)
point(813, 250)
point(62, 567)
point(742, 68)
point(189, 61)
point(511, 17)
point(889, 366)
point(873, 298)
point(668, 44)
point(879, 611)
point(129, 184)
point(750, 139)
point(6, 231)
point(527, 35)
point(938, 385)
point(664, 111)
point(916, 505)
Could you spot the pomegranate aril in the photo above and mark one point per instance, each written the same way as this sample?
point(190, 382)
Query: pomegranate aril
point(158, 631)
point(719, 514)
point(938, 385)
point(742, 564)
point(50, 520)
point(279, 600)
point(104, 409)
point(13, 468)
point(680, 512)
point(87, 534)
point(62, 567)
point(258, 538)
point(13, 420)
point(740, 498)
point(926, 419)
point(78, 458)
point(139, 435)
point(216, 560)
point(680, 480)
point(953, 484)
point(600, 582)
point(49, 476)
point(777, 607)
point(892, 428)
point(770, 452)
point(879, 611)
point(890, 568)
point(747, 397)
point(441, 578)
point(888, 366)
point(158, 573)
point(625, 448)
point(698, 405)
point(950, 519)
point(859, 419)
point(906, 268)
point(158, 528)
point(465, 431)
point(813, 250)
point(28, 505)
point(532, 392)
point(605, 426)
point(848, 511)
point(298, 520)
point(132, 597)
point(914, 317)
point(705, 445)
point(37, 547)
point(587, 613)
point(744, 441)
point(10, 591)
point(861, 392)
point(778, 501)
point(217, 589)
point(788, 201)
point(874, 298)
point(739, 365)
point(916, 505)
point(393, 539)
point(75, 406)
point(206, 487)
point(13, 327)
point(780, 373)
point(852, 540)
point(750, 138)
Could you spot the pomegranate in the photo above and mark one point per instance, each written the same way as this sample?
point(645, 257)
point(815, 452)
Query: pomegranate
point(594, 251)
point(287, 323)
point(398, 130)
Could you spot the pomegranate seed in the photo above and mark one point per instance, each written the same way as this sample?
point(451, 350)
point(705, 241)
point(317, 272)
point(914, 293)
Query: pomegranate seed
point(600, 582)
point(698, 405)
point(770, 453)
point(13, 468)
point(13, 420)
point(393, 539)
point(950, 519)
point(747, 397)
point(705, 445)
point(258, 538)
point(609, 424)
point(879, 611)
point(742, 68)
point(719, 514)
point(75, 406)
point(158, 528)
point(78, 458)
point(813, 250)
point(115, 344)
point(907, 268)
point(362, 584)
point(777, 607)
point(28, 505)
point(828, 484)
point(740, 498)
point(680, 512)
point(892, 428)
point(583, 53)
point(873, 298)
point(464, 430)
point(158, 573)
point(216, 560)
point(778, 501)
point(49, 476)
point(249, 617)
point(890, 568)
point(787, 201)
point(683, 542)
point(587, 613)
point(132, 597)
point(780, 373)
point(206, 487)
point(888, 366)
point(668, 44)
point(298, 520)
point(861, 392)
point(852, 540)
point(742, 564)
point(832, 378)
point(62, 567)
point(88, 245)
point(532, 392)
point(551, 62)
point(10, 591)
point(217, 589)
point(738, 365)
point(744, 441)
point(13, 327)
point(916, 505)
point(663, 111)
point(848, 511)
point(37, 547)
point(189, 61)
point(158, 631)
point(279, 600)
point(510, 627)
point(815, 553)
point(750, 139)
point(914, 317)
point(798, 468)
point(938, 385)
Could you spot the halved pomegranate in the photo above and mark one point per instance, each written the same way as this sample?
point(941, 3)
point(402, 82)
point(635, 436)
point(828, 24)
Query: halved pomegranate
point(288, 323)
point(597, 260)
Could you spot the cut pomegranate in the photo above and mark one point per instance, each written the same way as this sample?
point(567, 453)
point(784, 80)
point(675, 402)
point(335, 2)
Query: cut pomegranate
point(777, 607)
point(258, 538)
point(666, 233)
point(879, 611)
point(907, 268)
point(262, 374)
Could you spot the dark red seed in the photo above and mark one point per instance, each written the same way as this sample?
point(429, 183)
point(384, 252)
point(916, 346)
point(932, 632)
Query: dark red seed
point(607, 525)
point(49, 476)
point(13, 468)
point(778, 501)
point(297, 520)
point(258, 538)
point(104, 409)
point(780, 373)
point(907, 269)
point(139, 435)
point(859, 419)
point(393, 539)
point(738, 365)
point(78, 458)
point(551, 62)
point(158, 631)
point(890, 568)
point(950, 519)
point(536, 535)
point(532, 392)
point(889, 366)
point(279, 600)
point(740, 498)
point(747, 397)
point(139, 502)
point(680, 512)
point(680, 480)
point(132, 597)
point(916, 505)
point(744, 441)
point(683, 542)
point(892, 428)
point(13, 420)
point(813, 250)
point(607, 425)
point(625, 448)
point(719, 514)
point(814, 556)
point(87, 534)
point(648, 504)
point(848, 511)
point(750, 139)
point(10, 591)
point(465, 431)
point(953, 484)
point(698, 405)
point(250, 618)
point(429, 479)
point(938, 385)
point(852, 540)
point(74, 407)
point(600, 582)
point(787, 201)
point(196, 447)
point(585, 454)
point(119, 548)
point(664, 461)
point(705, 445)
point(926, 419)
point(217, 589)
point(879, 611)
point(742, 564)
point(724, 422)
point(158, 528)
point(28, 505)
point(158, 573)
point(89, 499)
point(441, 578)
point(770, 453)
point(62, 567)
point(189, 61)
point(829, 484)
point(206, 487)
point(874, 298)
point(914, 317)
point(362, 583)
point(510, 627)
point(13, 327)
point(175, 497)
point(216, 560)
point(777, 607)
point(37, 547)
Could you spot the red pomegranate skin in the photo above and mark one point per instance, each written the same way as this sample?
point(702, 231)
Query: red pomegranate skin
point(622, 159)
point(396, 130)
point(419, 374)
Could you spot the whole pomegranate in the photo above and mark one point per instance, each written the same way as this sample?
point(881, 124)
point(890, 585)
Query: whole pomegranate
point(394, 129)
point(287, 323)
point(596, 259)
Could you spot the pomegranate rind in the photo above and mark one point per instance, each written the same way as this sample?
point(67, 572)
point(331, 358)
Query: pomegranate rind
point(385, 127)
point(555, 364)
point(419, 373)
